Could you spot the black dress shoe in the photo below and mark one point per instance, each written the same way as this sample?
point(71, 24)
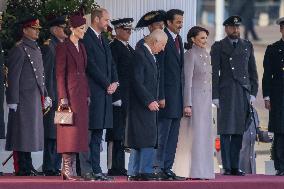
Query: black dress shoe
point(161, 176)
point(102, 177)
point(1, 173)
point(227, 172)
point(238, 172)
point(34, 172)
point(115, 172)
point(280, 173)
point(172, 176)
point(133, 177)
point(49, 173)
point(88, 177)
point(147, 176)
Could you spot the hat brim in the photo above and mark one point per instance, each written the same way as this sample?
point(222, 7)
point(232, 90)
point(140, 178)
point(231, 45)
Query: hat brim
point(36, 27)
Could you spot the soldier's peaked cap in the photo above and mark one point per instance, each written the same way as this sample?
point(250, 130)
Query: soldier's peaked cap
point(233, 21)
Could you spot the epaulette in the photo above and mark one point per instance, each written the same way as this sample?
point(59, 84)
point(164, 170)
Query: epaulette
point(111, 42)
point(18, 43)
point(47, 42)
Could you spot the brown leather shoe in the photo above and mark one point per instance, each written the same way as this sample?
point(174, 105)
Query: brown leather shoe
point(67, 172)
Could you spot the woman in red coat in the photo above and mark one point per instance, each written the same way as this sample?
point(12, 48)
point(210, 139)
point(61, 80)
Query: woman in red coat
point(73, 92)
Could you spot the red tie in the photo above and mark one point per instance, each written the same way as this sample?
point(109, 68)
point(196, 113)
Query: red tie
point(177, 43)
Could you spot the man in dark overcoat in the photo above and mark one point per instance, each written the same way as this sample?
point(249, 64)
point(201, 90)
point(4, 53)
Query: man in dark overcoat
point(171, 62)
point(103, 82)
point(235, 86)
point(273, 94)
point(51, 159)
point(141, 130)
point(25, 92)
point(152, 20)
point(122, 54)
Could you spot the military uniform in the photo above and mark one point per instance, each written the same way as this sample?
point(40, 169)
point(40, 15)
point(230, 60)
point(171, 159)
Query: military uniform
point(234, 80)
point(273, 90)
point(51, 159)
point(24, 98)
point(2, 63)
point(122, 54)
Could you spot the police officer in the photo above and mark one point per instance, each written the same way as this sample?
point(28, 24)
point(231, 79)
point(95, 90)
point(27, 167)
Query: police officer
point(273, 94)
point(122, 54)
point(25, 97)
point(235, 86)
point(51, 159)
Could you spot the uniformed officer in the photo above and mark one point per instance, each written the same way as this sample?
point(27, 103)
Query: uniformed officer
point(51, 159)
point(25, 97)
point(273, 94)
point(122, 54)
point(153, 20)
point(2, 62)
point(235, 86)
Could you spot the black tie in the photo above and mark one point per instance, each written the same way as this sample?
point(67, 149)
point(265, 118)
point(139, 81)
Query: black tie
point(100, 38)
point(234, 44)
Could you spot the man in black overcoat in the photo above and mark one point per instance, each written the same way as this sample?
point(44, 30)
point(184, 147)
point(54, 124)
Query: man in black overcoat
point(51, 159)
point(103, 82)
point(122, 54)
point(273, 94)
point(235, 86)
point(141, 130)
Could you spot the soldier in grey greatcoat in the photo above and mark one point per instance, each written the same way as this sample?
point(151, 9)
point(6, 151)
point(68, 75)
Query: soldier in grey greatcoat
point(234, 87)
point(25, 94)
point(51, 159)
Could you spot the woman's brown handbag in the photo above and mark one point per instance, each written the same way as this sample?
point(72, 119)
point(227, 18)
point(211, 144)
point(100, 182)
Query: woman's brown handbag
point(63, 117)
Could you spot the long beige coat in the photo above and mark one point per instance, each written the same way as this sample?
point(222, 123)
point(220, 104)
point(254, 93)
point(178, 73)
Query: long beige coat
point(194, 155)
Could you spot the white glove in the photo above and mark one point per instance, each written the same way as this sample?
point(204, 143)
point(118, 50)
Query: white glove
point(216, 102)
point(117, 103)
point(47, 102)
point(13, 106)
point(252, 99)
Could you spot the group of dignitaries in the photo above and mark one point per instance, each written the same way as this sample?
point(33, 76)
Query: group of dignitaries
point(136, 95)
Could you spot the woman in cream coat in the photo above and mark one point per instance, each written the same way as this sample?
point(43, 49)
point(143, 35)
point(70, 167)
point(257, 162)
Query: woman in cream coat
point(194, 155)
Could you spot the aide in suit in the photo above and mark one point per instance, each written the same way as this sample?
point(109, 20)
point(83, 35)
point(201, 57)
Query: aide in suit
point(234, 88)
point(273, 91)
point(51, 159)
point(103, 82)
point(122, 54)
point(171, 62)
point(141, 130)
